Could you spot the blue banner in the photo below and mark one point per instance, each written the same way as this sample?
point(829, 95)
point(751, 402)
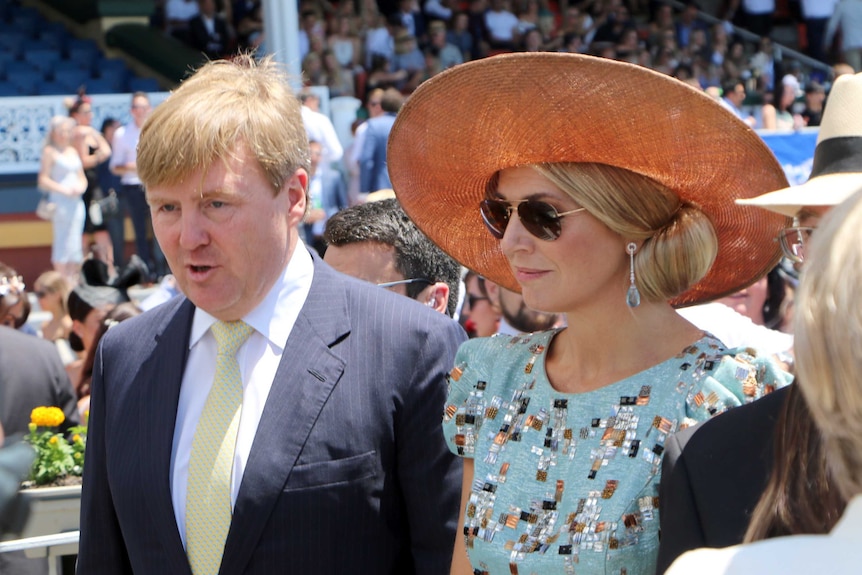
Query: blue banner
point(794, 151)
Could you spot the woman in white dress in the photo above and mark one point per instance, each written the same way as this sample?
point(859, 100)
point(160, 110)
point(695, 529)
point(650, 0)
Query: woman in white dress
point(62, 175)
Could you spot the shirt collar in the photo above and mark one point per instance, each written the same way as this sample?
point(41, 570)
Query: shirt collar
point(275, 315)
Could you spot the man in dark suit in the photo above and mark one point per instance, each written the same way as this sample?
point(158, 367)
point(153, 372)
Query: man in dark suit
point(313, 444)
point(209, 32)
point(713, 475)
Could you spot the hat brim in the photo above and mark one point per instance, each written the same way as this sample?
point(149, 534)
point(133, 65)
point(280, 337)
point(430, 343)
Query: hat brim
point(826, 190)
point(462, 126)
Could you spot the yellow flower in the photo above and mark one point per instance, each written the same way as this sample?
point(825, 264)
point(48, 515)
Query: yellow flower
point(53, 440)
point(47, 416)
point(76, 438)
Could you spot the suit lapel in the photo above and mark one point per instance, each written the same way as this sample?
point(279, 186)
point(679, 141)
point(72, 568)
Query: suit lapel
point(161, 376)
point(306, 376)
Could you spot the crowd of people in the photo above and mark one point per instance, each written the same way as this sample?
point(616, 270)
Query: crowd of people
point(354, 46)
point(537, 345)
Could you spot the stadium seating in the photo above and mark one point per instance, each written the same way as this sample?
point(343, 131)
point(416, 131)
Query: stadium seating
point(42, 57)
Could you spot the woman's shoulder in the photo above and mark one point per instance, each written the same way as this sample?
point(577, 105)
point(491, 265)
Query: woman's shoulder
point(726, 378)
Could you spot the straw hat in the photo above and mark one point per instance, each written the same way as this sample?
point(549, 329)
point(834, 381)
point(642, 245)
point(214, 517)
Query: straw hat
point(465, 124)
point(837, 169)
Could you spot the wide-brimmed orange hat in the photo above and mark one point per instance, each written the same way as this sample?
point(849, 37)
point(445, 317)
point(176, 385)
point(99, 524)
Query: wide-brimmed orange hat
point(462, 126)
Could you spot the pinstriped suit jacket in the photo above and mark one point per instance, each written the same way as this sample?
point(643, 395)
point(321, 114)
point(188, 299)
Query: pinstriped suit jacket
point(348, 472)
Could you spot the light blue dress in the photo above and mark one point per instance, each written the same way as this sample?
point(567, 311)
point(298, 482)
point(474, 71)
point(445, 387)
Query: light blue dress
point(568, 483)
point(69, 215)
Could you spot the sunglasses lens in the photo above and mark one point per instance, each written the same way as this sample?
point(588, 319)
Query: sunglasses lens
point(495, 214)
point(540, 219)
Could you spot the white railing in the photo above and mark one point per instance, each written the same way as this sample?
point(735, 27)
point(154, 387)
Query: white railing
point(51, 546)
point(24, 123)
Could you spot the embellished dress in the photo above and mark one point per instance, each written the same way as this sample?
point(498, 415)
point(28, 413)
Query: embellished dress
point(568, 483)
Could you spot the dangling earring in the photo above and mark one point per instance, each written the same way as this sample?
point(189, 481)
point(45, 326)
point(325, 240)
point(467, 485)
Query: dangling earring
point(633, 296)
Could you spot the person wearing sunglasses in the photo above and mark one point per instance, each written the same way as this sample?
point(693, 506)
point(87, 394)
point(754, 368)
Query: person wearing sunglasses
point(378, 243)
point(763, 446)
point(611, 204)
point(479, 316)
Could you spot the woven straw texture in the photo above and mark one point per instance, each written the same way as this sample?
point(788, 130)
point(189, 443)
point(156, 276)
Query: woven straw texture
point(465, 124)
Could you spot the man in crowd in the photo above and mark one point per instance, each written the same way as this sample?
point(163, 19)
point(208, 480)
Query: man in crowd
point(378, 243)
point(373, 169)
point(131, 194)
point(732, 99)
point(327, 194)
point(280, 414)
point(320, 129)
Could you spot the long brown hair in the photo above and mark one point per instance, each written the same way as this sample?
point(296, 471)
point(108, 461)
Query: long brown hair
point(121, 312)
point(801, 497)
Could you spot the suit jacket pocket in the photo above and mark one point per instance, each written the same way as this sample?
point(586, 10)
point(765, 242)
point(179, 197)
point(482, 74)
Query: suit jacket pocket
point(332, 472)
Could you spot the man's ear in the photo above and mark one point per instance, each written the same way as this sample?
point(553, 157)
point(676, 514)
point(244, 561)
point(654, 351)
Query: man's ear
point(297, 192)
point(438, 297)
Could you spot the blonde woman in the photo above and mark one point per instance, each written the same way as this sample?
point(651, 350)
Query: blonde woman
point(583, 189)
point(52, 290)
point(828, 327)
point(61, 174)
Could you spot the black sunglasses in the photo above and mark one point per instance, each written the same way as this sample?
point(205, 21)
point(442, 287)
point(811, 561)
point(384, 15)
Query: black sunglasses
point(472, 300)
point(539, 218)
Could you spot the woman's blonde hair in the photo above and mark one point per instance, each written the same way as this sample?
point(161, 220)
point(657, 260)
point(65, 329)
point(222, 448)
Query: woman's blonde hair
point(55, 283)
point(679, 241)
point(225, 104)
point(828, 328)
point(55, 124)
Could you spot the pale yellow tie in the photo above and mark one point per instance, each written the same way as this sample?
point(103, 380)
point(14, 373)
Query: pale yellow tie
point(208, 508)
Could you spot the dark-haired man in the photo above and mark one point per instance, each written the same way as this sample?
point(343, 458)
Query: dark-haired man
point(377, 242)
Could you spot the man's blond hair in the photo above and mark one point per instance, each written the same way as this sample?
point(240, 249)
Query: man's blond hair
point(225, 105)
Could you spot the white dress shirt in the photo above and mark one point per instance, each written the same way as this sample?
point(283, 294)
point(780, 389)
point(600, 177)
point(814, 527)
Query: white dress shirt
point(259, 357)
point(124, 150)
point(320, 129)
point(735, 329)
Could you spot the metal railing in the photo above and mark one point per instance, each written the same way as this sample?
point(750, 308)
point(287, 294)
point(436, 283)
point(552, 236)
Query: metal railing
point(51, 546)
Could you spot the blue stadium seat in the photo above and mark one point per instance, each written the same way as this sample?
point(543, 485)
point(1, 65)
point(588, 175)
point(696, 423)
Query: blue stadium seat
point(20, 66)
point(71, 77)
point(111, 64)
point(118, 76)
point(101, 86)
point(82, 59)
point(7, 90)
point(13, 42)
point(54, 38)
point(26, 21)
point(53, 89)
point(6, 56)
point(25, 81)
point(43, 59)
point(144, 85)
